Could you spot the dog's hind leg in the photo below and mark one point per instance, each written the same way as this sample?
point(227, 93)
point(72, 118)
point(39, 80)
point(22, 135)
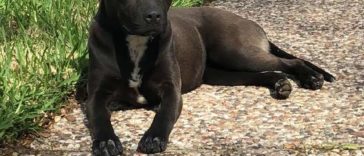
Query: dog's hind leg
point(275, 50)
point(254, 59)
point(277, 82)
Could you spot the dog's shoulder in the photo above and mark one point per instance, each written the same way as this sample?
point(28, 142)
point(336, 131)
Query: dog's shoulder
point(99, 36)
point(96, 29)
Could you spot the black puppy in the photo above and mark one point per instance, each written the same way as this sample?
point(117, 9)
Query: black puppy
point(139, 54)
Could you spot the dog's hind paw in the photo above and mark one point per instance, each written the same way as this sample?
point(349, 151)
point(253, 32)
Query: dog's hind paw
point(329, 78)
point(282, 89)
point(150, 145)
point(313, 82)
point(107, 148)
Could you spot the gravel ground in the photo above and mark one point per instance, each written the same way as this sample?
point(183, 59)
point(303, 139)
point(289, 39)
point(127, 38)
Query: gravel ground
point(219, 120)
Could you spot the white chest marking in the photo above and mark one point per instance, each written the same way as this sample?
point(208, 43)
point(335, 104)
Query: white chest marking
point(137, 46)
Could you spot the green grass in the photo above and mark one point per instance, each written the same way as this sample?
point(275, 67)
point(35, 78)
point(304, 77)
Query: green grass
point(187, 3)
point(42, 51)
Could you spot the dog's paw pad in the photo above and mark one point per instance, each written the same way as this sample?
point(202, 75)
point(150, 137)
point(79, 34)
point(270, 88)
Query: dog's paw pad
point(282, 89)
point(149, 145)
point(109, 147)
point(313, 82)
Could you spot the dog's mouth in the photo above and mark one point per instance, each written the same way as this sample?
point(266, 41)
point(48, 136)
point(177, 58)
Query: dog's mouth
point(149, 31)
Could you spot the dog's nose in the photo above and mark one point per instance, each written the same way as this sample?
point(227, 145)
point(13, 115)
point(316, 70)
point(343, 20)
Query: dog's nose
point(153, 17)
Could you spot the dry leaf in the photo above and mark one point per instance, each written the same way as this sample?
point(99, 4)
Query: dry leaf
point(44, 134)
point(289, 146)
point(70, 118)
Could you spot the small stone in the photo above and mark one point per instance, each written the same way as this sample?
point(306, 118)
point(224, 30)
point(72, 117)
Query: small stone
point(358, 134)
point(57, 118)
point(336, 150)
point(345, 153)
point(63, 111)
point(358, 153)
point(333, 154)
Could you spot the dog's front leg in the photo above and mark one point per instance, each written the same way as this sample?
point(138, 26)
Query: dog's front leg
point(156, 138)
point(105, 142)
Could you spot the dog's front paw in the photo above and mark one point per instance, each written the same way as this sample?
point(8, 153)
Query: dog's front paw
point(282, 89)
point(150, 144)
point(109, 147)
point(313, 82)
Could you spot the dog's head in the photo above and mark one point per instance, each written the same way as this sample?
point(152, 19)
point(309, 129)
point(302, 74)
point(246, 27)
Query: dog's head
point(139, 17)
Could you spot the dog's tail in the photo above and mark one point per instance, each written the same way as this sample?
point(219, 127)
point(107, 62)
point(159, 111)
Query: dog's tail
point(275, 50)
